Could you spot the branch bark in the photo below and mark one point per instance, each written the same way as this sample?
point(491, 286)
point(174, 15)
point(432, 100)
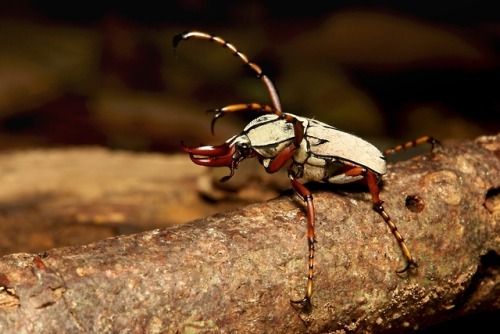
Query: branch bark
point(236, 271)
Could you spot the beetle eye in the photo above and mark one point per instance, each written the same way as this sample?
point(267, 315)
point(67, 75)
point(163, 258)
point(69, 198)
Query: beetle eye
point(245, 149)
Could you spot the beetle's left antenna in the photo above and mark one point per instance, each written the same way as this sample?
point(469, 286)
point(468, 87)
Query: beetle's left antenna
point(273, 92)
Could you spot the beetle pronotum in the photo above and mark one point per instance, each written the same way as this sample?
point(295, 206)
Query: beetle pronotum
point(312, 150)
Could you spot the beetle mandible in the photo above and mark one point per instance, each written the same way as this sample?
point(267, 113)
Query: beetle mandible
point(312, 150)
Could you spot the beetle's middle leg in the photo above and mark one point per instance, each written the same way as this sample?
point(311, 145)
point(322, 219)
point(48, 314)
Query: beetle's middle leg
point(306, 196)
point(372, 182)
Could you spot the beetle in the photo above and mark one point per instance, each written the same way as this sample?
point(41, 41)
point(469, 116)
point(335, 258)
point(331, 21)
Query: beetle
point(310, 149)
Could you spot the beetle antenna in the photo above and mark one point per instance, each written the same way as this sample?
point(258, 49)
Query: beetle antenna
point(271, 88)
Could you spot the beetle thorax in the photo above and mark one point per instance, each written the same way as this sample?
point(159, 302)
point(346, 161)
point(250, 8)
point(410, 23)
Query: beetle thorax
point(268, 135)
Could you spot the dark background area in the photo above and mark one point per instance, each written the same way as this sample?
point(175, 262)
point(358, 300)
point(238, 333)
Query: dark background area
point(92, 73)
point(104, 73)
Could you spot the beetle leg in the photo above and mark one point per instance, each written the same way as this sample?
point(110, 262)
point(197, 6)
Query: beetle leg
point(413, 143)
point(287, 153)
point(306, 196)
point(281, 158)
point(372, 182)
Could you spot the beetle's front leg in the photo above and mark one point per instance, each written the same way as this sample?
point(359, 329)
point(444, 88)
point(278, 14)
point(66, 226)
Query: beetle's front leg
point(372, 182)
point(306, 196)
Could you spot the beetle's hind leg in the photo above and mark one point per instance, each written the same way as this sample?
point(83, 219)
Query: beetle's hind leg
point(410, 144)
point(372, 182)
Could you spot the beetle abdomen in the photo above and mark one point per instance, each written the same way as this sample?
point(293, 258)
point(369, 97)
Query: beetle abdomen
point(327, 142)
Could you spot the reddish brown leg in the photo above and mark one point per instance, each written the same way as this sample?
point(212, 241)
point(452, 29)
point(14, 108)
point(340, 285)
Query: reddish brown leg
point(413, 143)
point(372, 182)
point(306, 196)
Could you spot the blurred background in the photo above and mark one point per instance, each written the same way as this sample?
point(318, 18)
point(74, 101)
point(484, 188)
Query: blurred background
point(104, 73)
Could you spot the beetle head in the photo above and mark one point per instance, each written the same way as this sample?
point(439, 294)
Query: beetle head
point(229, 154)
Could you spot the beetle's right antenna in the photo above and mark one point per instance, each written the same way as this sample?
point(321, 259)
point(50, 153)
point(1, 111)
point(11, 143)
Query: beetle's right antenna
point(273, 92)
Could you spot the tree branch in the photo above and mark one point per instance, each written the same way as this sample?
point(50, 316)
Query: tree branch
point(236, 271)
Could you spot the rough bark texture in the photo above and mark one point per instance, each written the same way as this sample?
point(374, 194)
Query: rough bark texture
point(236, 271)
